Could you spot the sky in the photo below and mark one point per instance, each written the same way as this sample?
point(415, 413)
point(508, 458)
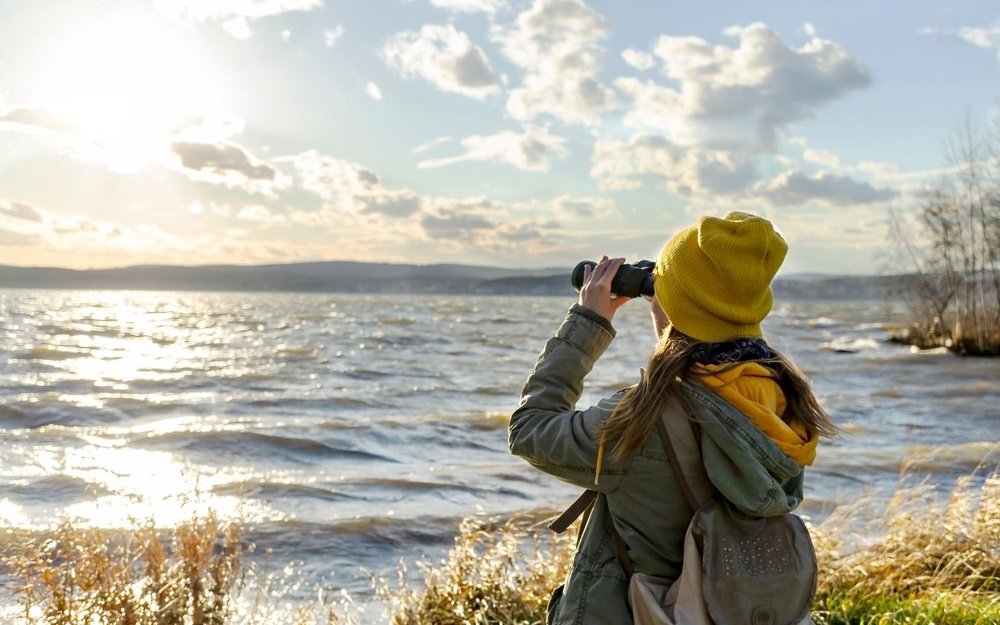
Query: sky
point(515, 133)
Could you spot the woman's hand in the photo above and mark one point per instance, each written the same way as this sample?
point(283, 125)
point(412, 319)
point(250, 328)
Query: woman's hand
point(595, 293)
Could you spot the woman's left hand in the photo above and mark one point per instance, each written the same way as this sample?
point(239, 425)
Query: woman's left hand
point(595, 294)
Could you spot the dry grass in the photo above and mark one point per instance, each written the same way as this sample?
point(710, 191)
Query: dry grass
point(930, 562)
point(493, 574)
point(927, 560)
point(85, 576)
point(933, 560)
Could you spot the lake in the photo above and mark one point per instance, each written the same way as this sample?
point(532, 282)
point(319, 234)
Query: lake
point(354, 430)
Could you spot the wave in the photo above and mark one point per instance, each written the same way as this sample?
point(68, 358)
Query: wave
point(223, 445)
point(50, 353)
point(845, 345)
point(957, 459)
point(269, 489)
point(60, 330)
point(46, 412)
point(294, 352)
point(59, 489)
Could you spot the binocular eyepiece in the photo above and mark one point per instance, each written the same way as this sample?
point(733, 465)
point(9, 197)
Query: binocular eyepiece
point(630, 281)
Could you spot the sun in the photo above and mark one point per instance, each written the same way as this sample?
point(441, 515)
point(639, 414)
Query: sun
point(126, 85)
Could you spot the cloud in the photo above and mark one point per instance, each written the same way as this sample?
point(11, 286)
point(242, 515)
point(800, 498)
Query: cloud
point(532, 150)
point(355, 199)
point(569, 207)
point(37, 117)
point(620, 165)
point(392, 204)
point(433, 143)
point(331, 178)
point(351, 188)
point(988, 38)
point(11, 238)
point(373, 91)
point(331, 35)
point(482, 225)
point(471, 6)
point(445, 57)
point(454, 226)
point(822, 157)
point(739, 96)
point(255, 213)
point(795, 188)
point(18, 210)
point(235, 15)
point(557, 44)
point(638, 59)
point(228, 164)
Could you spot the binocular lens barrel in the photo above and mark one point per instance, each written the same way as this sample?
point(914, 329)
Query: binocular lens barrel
point(630, 281)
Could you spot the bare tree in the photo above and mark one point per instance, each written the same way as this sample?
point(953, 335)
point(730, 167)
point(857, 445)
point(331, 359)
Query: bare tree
point(955, 252)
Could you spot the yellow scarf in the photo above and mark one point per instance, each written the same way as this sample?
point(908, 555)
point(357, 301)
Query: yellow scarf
point(751, 388)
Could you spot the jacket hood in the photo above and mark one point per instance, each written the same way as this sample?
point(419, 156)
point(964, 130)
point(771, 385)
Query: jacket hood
point(751, 388)
point(747, 467)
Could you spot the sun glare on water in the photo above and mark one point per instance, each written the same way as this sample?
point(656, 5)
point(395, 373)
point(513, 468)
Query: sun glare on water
point(126, 86)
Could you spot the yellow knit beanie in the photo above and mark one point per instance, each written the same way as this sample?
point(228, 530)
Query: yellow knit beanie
point(713, 280)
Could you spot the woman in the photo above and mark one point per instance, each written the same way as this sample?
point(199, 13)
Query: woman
point(712, 290)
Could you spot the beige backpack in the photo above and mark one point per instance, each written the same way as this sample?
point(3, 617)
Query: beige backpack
point(737, 570)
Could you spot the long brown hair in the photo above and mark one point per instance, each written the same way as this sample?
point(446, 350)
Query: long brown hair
point(634, 418)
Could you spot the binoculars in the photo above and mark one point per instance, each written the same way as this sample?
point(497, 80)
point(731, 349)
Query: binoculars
point(630, 281)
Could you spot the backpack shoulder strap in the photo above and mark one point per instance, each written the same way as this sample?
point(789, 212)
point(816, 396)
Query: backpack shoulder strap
point(564, 520)
point(681, 436)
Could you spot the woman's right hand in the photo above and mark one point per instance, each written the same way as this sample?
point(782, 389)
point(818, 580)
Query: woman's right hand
point(595, 294)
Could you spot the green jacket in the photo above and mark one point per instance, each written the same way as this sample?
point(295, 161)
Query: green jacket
point(638, 494)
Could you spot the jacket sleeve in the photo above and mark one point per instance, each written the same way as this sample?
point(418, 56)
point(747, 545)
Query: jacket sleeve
point(546, 429)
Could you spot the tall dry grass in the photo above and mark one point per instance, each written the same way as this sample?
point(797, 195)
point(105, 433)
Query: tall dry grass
point(924, 561)
point(143, 576)
point(927, 560)
point(85, 576)
point(933, 559)
point(493, 574)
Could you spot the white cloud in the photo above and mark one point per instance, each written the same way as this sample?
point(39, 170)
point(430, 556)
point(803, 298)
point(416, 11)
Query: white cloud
point(433, 143)
point(352, 188)
point(42, 235)
point(330, 36)
point(255, 213)
point(19, 210)
point(988, 38)
point(568, 207)
point(557, 44)
point(235, 15)
point(445, 57)
point(471, 6)
point(332, 178)
point(620, 165)
point(809, 29)
point(228, 164)
point(742, 96)
point(352, 192)
point(532, 150)
point(33, 117)
point(822, 157)
point(796, 188)
point(286, 35)
point(209, 128)
point(373, 91)
point(638, 59)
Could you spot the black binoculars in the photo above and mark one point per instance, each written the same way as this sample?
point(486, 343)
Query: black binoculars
point(630, 281)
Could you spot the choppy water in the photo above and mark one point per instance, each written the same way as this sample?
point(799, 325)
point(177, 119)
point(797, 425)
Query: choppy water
point(352, 430)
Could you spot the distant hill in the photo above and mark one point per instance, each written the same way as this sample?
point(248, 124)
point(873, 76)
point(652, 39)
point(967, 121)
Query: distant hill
point(358, 277)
